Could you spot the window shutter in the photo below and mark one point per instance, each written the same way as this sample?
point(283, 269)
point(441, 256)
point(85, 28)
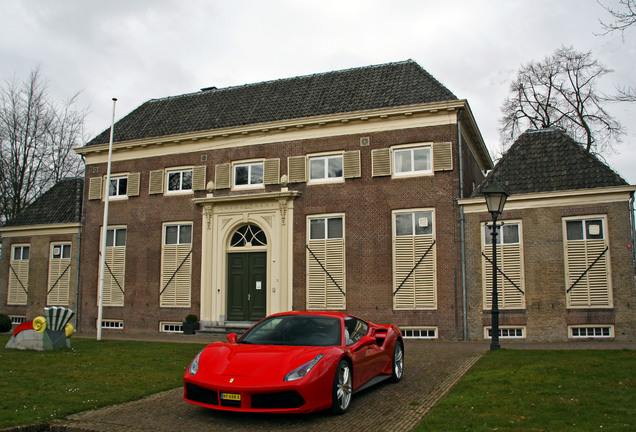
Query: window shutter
point(593, 289)
point(18, 286)
point(443, 156)
point(59, 281)
point(198, 178)
point(176, 275)
point(322, 292)
point(381, 162)
point(418, 290)
point(509, 261)
point(133, 184)
point(271, 171)
point(222, 176)
point(114, 283)
point(95, 188)
point(155, 183)
point(351, 164)
point(297, 169)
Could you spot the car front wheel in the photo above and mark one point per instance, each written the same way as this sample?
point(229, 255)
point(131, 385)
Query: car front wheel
point(342, 388)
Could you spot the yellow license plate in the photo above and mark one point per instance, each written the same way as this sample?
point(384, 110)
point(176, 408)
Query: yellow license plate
point(231, 396)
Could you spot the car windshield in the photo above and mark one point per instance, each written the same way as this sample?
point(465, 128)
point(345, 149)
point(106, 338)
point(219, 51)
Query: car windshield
point(295, 330)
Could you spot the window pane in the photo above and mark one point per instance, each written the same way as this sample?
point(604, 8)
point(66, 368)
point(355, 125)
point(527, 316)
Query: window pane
point(123, 186)
point(574, 230)
point(334, 228)
point(241, 175)
point(404, 224)
point(174, 181)
point(120, 237)
point(57, 251)
point(511, 233)
point(402, 161)
point(317, 229)
point(422, 159)
point(316, 169)
point(488, 234)
point(25, 252)
point(335, 167)
point(171, 234)
point(257, 174)
point(186, 182)
point(423, 223)
point(66, 251)
point(109, 238)
point(594, 229)
point(113, 188)
point(185, 234)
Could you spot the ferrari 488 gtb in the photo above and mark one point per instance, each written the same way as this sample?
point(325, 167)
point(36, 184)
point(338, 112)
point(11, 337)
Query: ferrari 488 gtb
point(295, 362)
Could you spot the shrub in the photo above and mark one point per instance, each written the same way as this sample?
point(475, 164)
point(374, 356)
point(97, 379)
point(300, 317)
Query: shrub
point(5, 323)
point(191, 318)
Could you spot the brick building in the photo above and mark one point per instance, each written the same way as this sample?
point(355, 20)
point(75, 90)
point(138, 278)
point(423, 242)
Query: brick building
point(330, 191)
point(39, 264)
point(565, 249)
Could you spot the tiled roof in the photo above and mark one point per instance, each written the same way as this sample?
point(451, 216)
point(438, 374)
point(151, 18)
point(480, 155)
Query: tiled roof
point(62, 203)
point(380, 86)
point(548, 160)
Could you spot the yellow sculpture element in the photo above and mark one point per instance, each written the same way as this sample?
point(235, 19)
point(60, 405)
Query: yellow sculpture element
point(39, 324)
point(68, 328)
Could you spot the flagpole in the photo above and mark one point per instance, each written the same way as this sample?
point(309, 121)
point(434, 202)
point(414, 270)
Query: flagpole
point(102, 261)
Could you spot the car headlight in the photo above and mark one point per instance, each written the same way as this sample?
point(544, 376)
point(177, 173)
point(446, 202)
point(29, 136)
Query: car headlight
point(303, 370)
point(194, 364)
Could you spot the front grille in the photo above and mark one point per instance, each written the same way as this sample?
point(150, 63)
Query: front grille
point(201, 395)
point(282, 400)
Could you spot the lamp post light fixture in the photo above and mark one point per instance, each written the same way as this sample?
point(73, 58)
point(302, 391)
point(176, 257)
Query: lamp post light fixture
point(495, 201)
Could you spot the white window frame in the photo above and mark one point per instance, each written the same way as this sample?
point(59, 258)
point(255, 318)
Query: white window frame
point(505, 332)
point(572, 329)
point(426, 332)
point(22, 247)
point(324, 158)
point(63, 246)
point(326, 220)
point(181, 190)
point(411, 149)
point(249, 165)
point(112, 324)
point(170, 327)
point(118, 195)
point(179, 225)
point(115, 239)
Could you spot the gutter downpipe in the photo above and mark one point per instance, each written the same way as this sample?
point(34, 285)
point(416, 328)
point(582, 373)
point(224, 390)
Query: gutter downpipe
point(633, 227)
point(461, 224)
point(78, 216)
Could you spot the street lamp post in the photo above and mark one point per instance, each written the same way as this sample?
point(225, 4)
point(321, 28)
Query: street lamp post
point(495, 201)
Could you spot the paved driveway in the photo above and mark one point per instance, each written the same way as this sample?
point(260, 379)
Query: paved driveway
point(431, 369)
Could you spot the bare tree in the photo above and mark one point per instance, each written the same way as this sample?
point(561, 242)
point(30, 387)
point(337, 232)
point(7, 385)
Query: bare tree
point(36, 139)
point(624, 16)
point(561, 91)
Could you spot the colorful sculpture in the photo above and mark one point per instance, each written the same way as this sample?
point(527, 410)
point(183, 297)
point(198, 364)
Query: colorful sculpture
point(50, 333)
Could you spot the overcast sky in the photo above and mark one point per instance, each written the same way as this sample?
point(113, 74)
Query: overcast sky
point(136, 50)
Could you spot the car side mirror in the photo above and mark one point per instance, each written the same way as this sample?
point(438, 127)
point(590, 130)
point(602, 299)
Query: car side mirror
point(367, 340)
point(232, 337)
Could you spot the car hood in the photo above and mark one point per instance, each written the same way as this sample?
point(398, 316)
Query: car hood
point(241, 360)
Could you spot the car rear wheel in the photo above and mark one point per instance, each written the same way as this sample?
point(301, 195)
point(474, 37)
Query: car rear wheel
point(342, 388)
point(398, 362)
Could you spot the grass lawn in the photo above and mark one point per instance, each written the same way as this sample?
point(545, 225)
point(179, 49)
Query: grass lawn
point(512, 390)
point(36, 387)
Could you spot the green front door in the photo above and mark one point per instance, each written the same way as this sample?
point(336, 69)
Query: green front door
point(247, 274)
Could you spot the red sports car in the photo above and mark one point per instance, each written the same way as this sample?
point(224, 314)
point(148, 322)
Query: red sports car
point(295, 362)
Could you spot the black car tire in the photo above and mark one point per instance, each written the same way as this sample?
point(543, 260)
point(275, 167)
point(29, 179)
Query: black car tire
point(398, 362)
point(342, 388)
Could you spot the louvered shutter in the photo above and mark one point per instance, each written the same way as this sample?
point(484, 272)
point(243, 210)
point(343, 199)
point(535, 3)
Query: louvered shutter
point(351, 164)
point(271, 171)
point(222, 176)
point(176, 284)
point(58, 282)
point(198, 178)
point(155, 182)
point(95, 188)
point(18, 282)
point(297, 169)
point(322, 292)
point(510, 262)
point(114, 284)
point(443, 156)
point(133, 184)
point(381, 162)
point(593, 289)
point(417, 290)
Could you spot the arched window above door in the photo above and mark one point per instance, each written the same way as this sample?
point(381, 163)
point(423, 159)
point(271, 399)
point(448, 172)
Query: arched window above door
point(248, 236)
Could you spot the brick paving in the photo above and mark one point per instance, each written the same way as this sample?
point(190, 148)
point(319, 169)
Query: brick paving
point(431, 370)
